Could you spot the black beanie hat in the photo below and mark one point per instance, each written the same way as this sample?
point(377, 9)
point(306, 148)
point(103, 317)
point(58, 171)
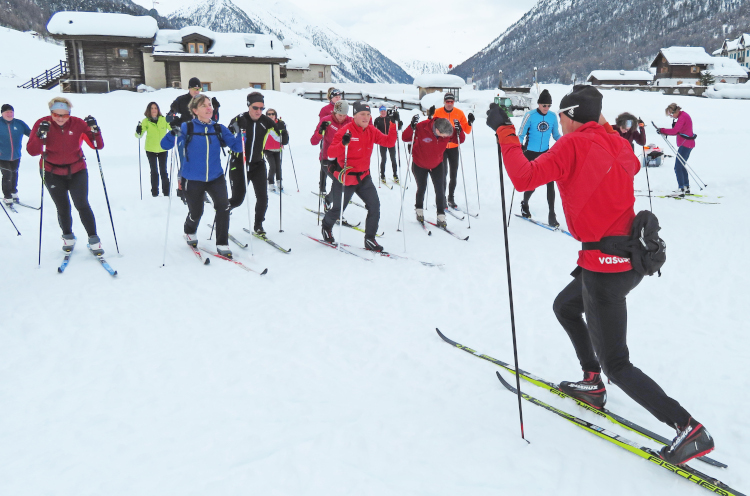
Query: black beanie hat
point(194, 83)
point(583, 104)
point(254, 97)
point(6, 106)
point(545, 97)
point(360, 107)
point(449, 96)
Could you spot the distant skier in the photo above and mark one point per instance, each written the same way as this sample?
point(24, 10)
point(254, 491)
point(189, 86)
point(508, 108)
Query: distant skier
point(257, 127)
point(537, 127)
point(324, 132)
point(155, 126)
point(334, 95)
point(202, 139)
point(682, 127)
point(351, 151)
point(272, 150)
point(631, 128)
point(450, 157)
point(431, 137)
point(383, 124)
point(12, 131)
point(57, 138)
point(594, 171)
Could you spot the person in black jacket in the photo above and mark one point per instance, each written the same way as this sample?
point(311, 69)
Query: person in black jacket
point(256, 127)
point(383, 124)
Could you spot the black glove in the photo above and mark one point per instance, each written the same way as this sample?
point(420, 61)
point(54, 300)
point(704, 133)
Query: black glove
point(176, 131)
point(43, 129)
point(400, 125)
point(414, 121)
point(91, 122)
point(139, 129)
point(470, 118)
point(431, 112)
point(280, 125)
point(323, 126)
point(346, 139)
point(394, 116)
point(234, 127)
point(215, 104)
point(456, 124)
point(497, 117)
point(171, 116)
point(658, 130)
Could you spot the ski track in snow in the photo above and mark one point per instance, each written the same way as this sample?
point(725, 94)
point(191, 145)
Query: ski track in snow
point(325, 376)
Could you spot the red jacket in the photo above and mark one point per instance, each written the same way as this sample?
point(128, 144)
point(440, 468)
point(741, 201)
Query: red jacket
point(326, 110)
point(360, 148)
point(63, 145)
point(330, 132)
point(428, 152)
point(594, 170)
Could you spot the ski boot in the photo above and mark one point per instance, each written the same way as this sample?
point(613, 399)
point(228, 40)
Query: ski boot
point(692, 441)
point(327, 235)
point(69, 242)
point(382, 179)
point(420, 215)
point(372, 244)
point(552, 220)
point(590, 390)
point(16, 200)
point(224, 251)
point(8, 202)
point(452, 204)
point(271, 187)
point(258, 229)
point(95, 245)
point(525, 213)
point(395, 179)
point(441, 223)
point(686, 190)
point(192, 239)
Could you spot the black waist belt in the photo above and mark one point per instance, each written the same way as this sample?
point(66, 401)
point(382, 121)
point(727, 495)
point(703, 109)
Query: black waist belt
point(688, 137)
point(611, 245)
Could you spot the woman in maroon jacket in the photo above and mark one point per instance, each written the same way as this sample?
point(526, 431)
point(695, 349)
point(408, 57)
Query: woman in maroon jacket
point(57, 138)
point(324, 133)
point(631, 128)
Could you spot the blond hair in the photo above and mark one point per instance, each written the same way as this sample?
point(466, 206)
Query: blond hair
point(196, 102)
point(60, 99)
point(672, 108)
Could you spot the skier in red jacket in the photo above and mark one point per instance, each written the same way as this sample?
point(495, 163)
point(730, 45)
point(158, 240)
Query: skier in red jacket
point(594, 172)
point(324, 133)
point(350, 151)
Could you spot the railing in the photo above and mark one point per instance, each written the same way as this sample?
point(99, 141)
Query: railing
point(49, 78)
point(355, 97)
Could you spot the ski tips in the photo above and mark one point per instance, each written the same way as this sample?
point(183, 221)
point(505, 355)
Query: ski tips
point(208, 261)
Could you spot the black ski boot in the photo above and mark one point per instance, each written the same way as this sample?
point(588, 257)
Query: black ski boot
point(372, 244)
point(692, 441)
point(525, 210)
point(590, 390)
point(327, 235)
point(259, 230)
point(552, 220)
point(452, 204)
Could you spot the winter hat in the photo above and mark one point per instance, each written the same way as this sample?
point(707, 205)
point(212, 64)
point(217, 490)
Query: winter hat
point(194, 83)
point(383, 107)
point(545, 97)
point(254, 97)
point(333, 92)
point(361, 107)
point(341, 107)
point(583, 104)
point(449, 96)
point(6, 106)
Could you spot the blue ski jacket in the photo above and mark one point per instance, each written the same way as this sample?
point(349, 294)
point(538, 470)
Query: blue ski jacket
point(203, 150)
point(539, 129)
point(11, 134)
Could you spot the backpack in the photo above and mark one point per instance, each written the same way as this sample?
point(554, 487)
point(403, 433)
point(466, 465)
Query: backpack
point(191, 133)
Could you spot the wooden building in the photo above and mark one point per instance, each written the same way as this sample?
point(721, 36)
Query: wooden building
point(680, 65)
point(619, 78)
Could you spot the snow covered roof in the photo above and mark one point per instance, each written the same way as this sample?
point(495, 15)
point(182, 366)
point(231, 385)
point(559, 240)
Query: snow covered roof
point(685, 55)
point(738, 43)
point(439, 81)
point(301, 58)
point(621, 75)
point(725, 67)
point(101, 24)
point(223, 44)
point(188, 30)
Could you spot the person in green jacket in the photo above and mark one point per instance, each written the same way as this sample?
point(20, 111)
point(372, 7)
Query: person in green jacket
point(155, 126)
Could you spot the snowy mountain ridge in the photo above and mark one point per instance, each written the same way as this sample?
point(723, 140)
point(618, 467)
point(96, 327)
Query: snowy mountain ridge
point(418, 67)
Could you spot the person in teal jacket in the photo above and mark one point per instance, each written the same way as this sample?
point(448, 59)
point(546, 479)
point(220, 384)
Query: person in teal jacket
point(12, 131)
point(537, 128)
point(202, 173)
point(155, 126)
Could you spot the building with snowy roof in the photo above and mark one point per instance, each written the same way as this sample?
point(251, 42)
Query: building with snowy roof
point(307, 64)
point(737, 49)
point(726, 70)
point(641, 78)
point(430, 83)
point(680, 65)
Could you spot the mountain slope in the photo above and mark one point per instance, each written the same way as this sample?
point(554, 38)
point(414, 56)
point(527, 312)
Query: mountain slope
point(578, 36)
point(358, 61)
point(418, 67)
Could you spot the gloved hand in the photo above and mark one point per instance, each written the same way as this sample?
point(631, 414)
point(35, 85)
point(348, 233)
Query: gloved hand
point(170, 117)
point(497, 117)
point(139, 129)
point(414, 121)
point(431, 112)
point(400, 125)
point(176, 131)
point(234, 127)
point(470, 118)
point(323, 126)
point(641, 123)
point(91, 123)
point(43, 129)
point(343, 172)
point(280, 124)
point(659, 131)
point(394, 116)
point(346, 139)
point(456, 124)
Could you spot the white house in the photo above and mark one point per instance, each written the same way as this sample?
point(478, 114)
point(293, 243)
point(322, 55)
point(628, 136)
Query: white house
point(307, 64)
point(430, 83)
point(727, 70)
point(737, 49)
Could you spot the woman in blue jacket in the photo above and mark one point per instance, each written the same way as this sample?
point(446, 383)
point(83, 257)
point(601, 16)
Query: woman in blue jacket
point(202, 172)
point(12, 131)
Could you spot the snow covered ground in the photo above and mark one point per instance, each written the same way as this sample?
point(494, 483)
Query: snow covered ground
point(18, 66)
point(326, 377)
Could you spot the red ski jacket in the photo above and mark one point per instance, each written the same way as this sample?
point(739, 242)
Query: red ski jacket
point(594, 170)
point(330, 132)
point(326, 110)
point(360, 148)
point(63, 154)
point(429, 149)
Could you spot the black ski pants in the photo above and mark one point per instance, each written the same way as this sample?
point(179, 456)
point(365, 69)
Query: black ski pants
point(274, 166)
point(77, 186)
point(450, 162)
point(10, 176)
point(383, 152)
point(601, 340)
point(157, 170)
point(256, 174)
point(437, 175)
point(368, 192)
point(194, 193)
point(550, 186)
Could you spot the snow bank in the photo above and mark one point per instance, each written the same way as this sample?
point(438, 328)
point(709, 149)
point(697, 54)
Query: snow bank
point(439, 81)
point(18, 66)
point(102, 24)
point(726, 90)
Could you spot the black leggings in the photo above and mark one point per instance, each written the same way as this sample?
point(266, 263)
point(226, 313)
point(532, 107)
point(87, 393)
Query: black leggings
point(157, 171)
point(420, 177)
point(78, 187)
point(274, 166)
point(367, 191)
point(601, 340)
point(383, 157)
point(550, 186)
point(256, 175)
point(450, 162)
point(194, 193)
point(10, 176)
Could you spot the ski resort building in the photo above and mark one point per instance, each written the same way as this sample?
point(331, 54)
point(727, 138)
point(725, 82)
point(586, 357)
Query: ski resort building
point(307, 65)
point(430, 83)
point(680, 66)
point(737, 49)
point(618, 78)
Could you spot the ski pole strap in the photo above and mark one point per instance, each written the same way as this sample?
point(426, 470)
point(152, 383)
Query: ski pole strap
point(611, 245)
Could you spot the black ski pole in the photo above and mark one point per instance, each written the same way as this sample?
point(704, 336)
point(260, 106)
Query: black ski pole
point(648, 183)
point(140, 173)
point(510, 290)
point(293, 169)
point(11, 220)
point(463, 177)
point(106, 196)
point(510, 210)
point(281, 187)
point(172, 161)
point(41, 198)
point(476, 174)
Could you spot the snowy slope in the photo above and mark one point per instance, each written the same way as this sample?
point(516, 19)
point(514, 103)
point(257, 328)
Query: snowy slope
point(19, 66)
point(418, 67)
point(326, 376)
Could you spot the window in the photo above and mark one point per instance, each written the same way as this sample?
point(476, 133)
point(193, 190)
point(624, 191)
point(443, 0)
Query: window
point(196, 48)
point(122, 53)
point(249, 45)
point(205, 86)
point(694, 70)
point(176, 84)
point(126, 82)
point(257, 86)
point(320, 74)
point(664, 70)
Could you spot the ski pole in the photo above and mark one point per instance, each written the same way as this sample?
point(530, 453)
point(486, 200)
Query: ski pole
point(682, 160)
point(476, 174)
point(293, 169)
point(11, 220)
point(172, 161)
point(510, 210)
point(398, 144)
point(510, 291)
point(648, 183)
point(281, 188)
point(140, 174)
point(244, 174)
point(343, 188)
point(463, 178)
point(106, 196)
point(41, 199)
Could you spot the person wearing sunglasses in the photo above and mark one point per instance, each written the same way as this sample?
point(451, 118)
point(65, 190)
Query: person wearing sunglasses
point(274, 144)
point(334, 95)
point(537, 127)
point(682, 128)
point(12, 131)
point(594, 171)
point(59, 136)
point(324, 133)
point(256, 128)
point(383, 124)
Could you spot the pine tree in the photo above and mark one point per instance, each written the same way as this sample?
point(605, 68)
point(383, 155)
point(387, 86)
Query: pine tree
point(706, 78)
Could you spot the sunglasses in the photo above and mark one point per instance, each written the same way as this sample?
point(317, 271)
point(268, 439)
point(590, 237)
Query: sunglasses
point(60, 116)
point(257, 108)
point(271, 113)
point(544, 105)
point(196, 88)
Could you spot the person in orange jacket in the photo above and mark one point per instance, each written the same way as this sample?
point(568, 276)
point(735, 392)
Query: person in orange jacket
point(450, 156)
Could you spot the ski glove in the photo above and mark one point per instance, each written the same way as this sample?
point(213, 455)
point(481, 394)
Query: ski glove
point(176, 131)
point(400, 125)
point(497, 117)
point(431, 112)
point(43, 129)
point(346, 139)
point(139, 129)
point(91, 122)
point(659, 131)
point(456, 124)
point(471, 119)
point(343, 172)
point(323, 126)
point(395, 116)
point(414, 121)
point(234, 127)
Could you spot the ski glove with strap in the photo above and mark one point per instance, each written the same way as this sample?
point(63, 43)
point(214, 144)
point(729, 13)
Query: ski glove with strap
point(323, 126)
point(139, 129)
point(471, 119)
point(346, 139)
point(414, 121)
point(43, 129)
point(176, 131)
point(91, 122)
